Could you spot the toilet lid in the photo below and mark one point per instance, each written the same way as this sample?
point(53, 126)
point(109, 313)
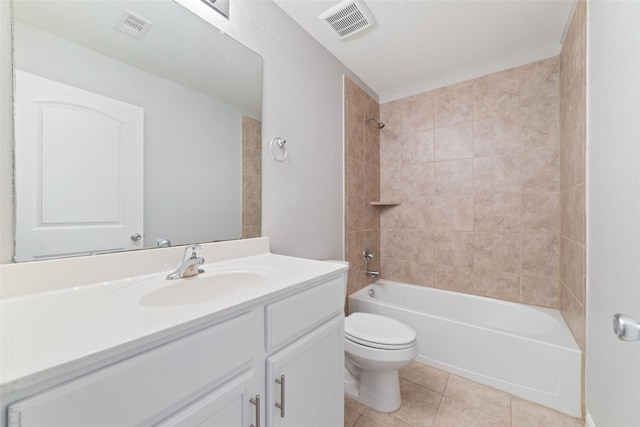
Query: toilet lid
point(378, 331)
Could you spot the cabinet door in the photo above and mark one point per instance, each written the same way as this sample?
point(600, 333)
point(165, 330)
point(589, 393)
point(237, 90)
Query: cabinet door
point(313, 379)
point(229, 406)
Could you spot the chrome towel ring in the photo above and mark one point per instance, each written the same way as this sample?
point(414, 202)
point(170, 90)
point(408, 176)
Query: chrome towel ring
point(280, 142)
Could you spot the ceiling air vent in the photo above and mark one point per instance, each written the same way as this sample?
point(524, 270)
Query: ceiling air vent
point(348, 17)
point(132, 24)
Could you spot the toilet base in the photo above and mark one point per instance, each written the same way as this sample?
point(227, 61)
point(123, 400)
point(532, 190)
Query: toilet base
point(379, 390)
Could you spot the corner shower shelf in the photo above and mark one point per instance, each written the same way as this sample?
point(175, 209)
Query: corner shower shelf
point(383, 204)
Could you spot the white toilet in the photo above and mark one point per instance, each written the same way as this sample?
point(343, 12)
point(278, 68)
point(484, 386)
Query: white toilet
point(376, 347)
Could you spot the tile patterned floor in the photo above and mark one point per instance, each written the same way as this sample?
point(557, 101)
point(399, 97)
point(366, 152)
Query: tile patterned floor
point(435, 398)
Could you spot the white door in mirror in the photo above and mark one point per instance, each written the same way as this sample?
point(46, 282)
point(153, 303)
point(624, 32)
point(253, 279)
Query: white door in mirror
point(76, 145)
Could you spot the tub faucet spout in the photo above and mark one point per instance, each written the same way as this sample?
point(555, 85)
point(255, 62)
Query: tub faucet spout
point(190, 265)
point(375, 274)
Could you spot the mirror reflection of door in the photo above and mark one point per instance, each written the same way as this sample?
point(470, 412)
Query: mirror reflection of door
point(76, 146)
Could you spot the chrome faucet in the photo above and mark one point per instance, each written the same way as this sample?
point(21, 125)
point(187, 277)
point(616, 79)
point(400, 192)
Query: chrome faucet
point(370, 273)
point(190, 265)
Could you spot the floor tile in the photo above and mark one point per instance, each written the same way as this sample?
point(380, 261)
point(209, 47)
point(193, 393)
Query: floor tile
point(425, 375)
point(453, 413)
point(419, 404)
point(352, 411)
point(484, 398)
point(371, 418)
point(529, 414)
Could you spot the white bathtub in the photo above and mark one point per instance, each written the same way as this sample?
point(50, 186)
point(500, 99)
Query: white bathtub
point(524, 350)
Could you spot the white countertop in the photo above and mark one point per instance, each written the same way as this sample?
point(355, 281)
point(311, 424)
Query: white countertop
point(48, 333)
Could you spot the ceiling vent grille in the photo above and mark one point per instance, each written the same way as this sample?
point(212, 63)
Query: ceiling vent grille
point(348, 18)
point(132, 25)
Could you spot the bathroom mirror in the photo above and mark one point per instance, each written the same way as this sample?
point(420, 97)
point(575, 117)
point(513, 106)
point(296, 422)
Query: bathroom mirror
point(131, 122)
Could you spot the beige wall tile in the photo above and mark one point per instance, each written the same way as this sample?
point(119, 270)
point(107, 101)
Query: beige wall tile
point(454, 177)
point(497, 135)
point(572, 159)
point(488, 150)
point(540, 255)
point(454, 278)
point(372, 146)
point(574, 314)
point(392, 114)
point(496, 284)
point(572, 213)
point(454, 142)
point(497, 94)
point(417, 147)
point(390, 148)
point(540, 213)
point(454, 248)
point(355, 213)
point(418, 212)
point(539, 291)
point(497, 251)
point(540, 128)
point(454, 104)
point(572, 166)
point(540, 171)
point(251, 186)
point(391, 217)
point(497, 174)
point(407, 245)
point(417, 179)
point(419, 111)
point(371, 183)
point(355, 184)
point(539, 84)
point(407, 271)
point(572, 268)
point(497, 212)
point(391, 184)
point(454, 213)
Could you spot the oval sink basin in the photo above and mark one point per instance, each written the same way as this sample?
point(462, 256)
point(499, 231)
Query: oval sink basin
point(204, 287)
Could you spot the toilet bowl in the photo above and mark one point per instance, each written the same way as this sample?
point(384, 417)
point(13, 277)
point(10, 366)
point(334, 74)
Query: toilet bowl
point(376, 347)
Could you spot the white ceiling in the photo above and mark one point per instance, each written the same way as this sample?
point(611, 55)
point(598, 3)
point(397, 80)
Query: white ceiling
point(419, 45)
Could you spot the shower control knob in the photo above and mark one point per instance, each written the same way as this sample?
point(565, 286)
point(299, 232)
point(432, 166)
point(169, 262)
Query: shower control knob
point(626, 328)
point(367, 256)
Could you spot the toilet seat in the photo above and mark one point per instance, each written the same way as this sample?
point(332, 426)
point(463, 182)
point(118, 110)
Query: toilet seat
point(373, 330)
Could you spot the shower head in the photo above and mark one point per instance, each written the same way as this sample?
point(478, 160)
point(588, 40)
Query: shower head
point(380, 124)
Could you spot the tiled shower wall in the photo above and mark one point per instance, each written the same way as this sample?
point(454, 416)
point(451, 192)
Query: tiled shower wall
point(572, 175)
point(475, 167)
point(362, 182)
point(251, 177)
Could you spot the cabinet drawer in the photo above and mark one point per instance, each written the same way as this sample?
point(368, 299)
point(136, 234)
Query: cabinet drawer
point(291, 317)
point(145, 388)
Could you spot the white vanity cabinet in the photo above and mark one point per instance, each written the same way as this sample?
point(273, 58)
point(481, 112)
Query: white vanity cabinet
point(213, 375)
point(302, 380)
point(305, 376)
point(146, 388)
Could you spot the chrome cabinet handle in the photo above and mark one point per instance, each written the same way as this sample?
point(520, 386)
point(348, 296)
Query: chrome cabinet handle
point(136, 236)
point(626, 328)
point(281, 404)
point(256, 402)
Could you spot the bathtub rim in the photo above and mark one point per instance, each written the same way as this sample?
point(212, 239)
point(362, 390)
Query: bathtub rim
point(563, 338)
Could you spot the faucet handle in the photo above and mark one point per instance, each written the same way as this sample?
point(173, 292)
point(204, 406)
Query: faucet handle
point(191, 251)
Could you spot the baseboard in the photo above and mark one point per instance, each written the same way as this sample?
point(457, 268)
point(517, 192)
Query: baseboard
point(588, 422)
